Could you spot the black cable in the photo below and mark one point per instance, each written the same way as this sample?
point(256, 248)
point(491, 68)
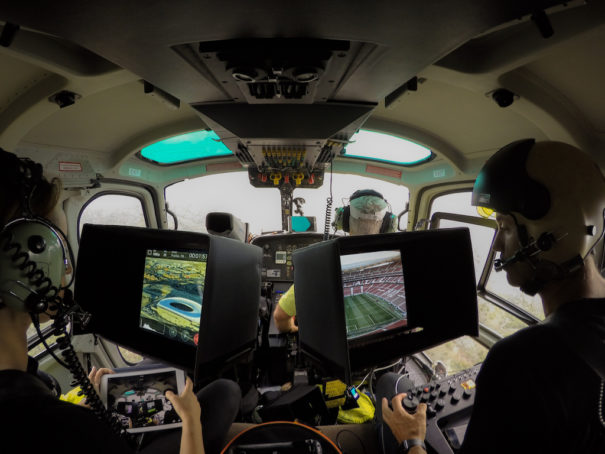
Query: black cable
point(36, 321)
point(81, 377)
point(329, 202)
point(363, 447)
point(47, 297)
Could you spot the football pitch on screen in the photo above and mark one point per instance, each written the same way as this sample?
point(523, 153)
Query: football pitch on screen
point(366, 312)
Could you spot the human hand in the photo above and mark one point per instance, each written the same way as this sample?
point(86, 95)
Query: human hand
point(186, 404)
point(404, 425)
point(95, 378)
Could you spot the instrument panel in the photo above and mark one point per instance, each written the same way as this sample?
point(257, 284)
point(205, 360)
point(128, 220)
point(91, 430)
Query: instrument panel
point(277, 253)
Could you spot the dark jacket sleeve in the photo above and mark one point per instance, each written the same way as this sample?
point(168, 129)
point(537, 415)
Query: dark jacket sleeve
point(510, 413)
point(70, 428)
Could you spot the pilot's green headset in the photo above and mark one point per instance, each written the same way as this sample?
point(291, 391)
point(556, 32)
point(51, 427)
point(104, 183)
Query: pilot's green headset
point(33, 252)
point(343, 214)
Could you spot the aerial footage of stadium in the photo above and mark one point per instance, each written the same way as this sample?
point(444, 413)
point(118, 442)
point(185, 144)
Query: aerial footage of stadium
point(172, 295)
point(374, 292)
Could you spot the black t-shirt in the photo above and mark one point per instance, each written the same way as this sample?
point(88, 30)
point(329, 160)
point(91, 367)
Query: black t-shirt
point(33, 420)
point(535, 395)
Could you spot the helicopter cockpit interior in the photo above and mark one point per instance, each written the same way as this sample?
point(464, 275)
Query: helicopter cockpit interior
point(207, 153)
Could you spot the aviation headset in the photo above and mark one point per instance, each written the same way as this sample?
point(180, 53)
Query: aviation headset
point(343, 214)
point(34, 257)
point(33, 252)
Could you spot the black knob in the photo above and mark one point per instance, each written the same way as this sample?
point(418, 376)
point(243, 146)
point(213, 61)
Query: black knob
point(442, 392)
point(434, 394)
point(430, 412)
point(439, 404)
point(467, 393)
point(410, 404)
point(452, 388)
point(455, 398)
point(424, 398)
point(36, 244)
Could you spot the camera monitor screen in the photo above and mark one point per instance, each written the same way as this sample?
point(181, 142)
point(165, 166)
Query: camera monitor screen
point(173, 290)
point(187, 299)
point(367, 300)
point(374, 292)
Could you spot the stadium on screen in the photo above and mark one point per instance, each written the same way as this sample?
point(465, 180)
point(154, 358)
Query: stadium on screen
point(374, 292)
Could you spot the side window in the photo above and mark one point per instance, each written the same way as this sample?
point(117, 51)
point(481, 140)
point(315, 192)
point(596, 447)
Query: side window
point(496, 285)
point(35, 346)
point(458, 354)
point(113, 209)
point(455, 210)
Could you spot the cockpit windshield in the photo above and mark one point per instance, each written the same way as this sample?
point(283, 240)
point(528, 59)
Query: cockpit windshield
point(260, 207)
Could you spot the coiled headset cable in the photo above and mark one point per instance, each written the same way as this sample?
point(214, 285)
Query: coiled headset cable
point(46, 298)
point(329, 202)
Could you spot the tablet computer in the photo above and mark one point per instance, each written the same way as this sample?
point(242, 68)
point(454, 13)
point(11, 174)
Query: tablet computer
point(138, 398)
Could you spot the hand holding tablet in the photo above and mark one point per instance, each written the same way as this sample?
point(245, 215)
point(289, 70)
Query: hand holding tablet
point(138, 398)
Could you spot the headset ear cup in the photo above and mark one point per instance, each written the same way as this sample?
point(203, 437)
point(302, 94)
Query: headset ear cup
point(387, 223)
point(346, 216)
point(337, 223)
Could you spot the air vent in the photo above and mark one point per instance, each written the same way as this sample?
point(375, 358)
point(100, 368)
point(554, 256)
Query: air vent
point(274, 70)
point(278, 89)
point(243, 155)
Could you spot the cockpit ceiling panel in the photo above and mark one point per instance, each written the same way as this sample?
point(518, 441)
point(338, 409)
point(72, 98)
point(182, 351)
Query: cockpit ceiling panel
point(141, 36)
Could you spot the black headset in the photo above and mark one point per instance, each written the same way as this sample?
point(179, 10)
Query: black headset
point(34, 252)
point(343, 215)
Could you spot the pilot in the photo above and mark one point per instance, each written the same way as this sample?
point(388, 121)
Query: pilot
point(367, 214)
point(33, 418)
point(540, 389)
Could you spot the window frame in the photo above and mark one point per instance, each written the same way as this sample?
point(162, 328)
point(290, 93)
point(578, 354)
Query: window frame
point(112, 192)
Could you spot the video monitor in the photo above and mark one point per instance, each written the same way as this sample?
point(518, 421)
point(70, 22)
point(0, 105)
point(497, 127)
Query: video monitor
point(187, 299)
point(362, 301)
point(173, 291)
point(373, 292)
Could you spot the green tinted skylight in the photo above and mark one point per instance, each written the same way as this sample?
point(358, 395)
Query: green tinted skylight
point(186, 147)
point(387, 148)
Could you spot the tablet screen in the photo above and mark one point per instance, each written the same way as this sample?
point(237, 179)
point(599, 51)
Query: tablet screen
point(138, 399)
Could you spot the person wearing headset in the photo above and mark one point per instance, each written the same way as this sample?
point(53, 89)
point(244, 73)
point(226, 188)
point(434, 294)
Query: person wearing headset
point(542, 388)
point(366, 214)
point(32, 417)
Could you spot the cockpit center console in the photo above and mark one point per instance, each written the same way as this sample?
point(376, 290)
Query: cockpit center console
point(277, 275)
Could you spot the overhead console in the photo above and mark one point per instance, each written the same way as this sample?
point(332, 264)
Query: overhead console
point(283, 121)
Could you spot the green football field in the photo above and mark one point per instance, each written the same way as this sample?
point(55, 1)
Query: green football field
point(366, 312)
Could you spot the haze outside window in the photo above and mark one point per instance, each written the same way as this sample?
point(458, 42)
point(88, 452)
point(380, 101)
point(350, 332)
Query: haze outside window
point(343, 185)
point(498, 320)
point(449, 211)
point(458, 355)
point(32, 336)
point(113, 209)
point(130, 357)
point(191, 200)
point(498, 285)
